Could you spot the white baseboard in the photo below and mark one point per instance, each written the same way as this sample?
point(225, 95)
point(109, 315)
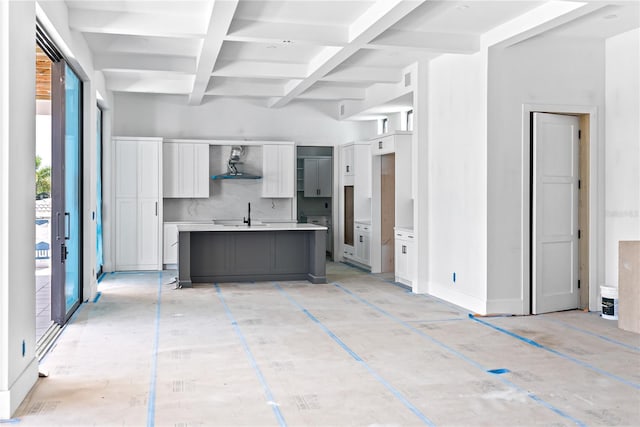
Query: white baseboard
point(12, 398)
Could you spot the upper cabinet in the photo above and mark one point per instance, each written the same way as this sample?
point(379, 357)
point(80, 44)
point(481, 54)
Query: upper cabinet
point(317, 177)
point(278, 170)
point(185, 170)
point(347, 160)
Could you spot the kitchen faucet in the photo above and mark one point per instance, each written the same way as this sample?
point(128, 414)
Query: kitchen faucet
point(247, 220)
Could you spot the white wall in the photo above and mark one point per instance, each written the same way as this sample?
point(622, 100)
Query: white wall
point(18, 368)
point(622, 147)
point(543, 70)
point(457, 179)
point(18, 372)
point(305, 123)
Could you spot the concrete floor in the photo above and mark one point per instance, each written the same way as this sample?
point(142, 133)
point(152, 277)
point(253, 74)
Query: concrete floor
point(357, 351)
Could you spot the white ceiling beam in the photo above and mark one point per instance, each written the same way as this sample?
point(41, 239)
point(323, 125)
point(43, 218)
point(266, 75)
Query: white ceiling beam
point(257, 69)
point(271, 32)
point(537, 21)
point(219, 22)
point(377, 19)
point(364, 74)
point(139, 24)
point(145, 63)
point(428, 42)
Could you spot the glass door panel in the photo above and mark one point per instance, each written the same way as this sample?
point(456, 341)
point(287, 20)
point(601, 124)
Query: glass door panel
point(73, 189)
point(67, 192)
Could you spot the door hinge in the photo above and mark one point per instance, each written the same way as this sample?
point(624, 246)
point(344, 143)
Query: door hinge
point(579, 234)
point(579, 134)
point(579, 184)
point(578, 284)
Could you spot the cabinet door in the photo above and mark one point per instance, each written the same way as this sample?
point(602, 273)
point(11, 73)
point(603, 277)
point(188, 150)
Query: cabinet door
point(383, 145)
point(170, 170)
point(311, 178)
point(126, 233)
point(201, 171)
point(366, 247)
point(148, 166)
point(278, 166)
point(347, 160)
point(186, 170)
point(411, 260)
point(170, 244)
point(324, 178)
point(147, 230)
point(401, 258)
point(126, 168)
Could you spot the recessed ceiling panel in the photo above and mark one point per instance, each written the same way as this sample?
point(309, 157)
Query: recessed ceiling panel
point(183, 8)
point(115, 43)
point(466, 17)
point(271, 52)
point(337, 13)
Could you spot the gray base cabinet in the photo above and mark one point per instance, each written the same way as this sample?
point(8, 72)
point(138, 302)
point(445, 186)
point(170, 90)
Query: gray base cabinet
point(228, 256)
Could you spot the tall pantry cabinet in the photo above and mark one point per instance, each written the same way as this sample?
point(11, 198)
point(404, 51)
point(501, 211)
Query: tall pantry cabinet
point(138, 203)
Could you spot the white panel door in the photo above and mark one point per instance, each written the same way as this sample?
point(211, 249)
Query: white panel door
point(555, 213)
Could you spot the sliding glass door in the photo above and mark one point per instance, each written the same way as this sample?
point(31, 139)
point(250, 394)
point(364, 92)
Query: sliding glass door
point(67, 197)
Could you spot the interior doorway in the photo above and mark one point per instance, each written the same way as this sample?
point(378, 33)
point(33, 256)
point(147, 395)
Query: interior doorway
point(387, 211)
point(558, 212)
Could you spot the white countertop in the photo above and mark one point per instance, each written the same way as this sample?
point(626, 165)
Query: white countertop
point(258, 227)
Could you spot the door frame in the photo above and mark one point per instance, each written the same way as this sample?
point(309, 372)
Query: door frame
point(596, 184)
point(59, 312)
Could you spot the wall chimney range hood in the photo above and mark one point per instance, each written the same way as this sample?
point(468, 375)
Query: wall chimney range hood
point(232, 169)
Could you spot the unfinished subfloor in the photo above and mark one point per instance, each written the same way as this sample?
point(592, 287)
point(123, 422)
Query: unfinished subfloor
point(356, 351)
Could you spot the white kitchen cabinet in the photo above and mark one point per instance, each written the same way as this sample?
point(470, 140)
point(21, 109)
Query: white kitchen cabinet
point(383, 145)
point(405, 261)
point(185, 170)
point(278, 171)
point(362, 176)
point(138, 203)
point(348, 160)
point(362, 246)
point(317, 177)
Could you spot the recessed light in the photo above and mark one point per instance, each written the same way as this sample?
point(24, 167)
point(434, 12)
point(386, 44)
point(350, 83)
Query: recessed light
point(611, 16)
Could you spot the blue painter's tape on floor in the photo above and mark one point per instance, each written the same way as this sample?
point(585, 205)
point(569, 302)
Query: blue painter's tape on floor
point(358, 359)
point(498, 371)
point(151, 407)
point(584, 331)
point(10, 421)
point(254, 364)
point(460, 355)
point(97, 297)
point(102, 277)
point(557, 353)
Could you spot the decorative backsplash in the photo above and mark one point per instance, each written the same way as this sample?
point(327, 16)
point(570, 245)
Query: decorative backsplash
point(228, 198)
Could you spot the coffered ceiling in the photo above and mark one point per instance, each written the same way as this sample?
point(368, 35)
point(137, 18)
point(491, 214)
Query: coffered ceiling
point(280, 51)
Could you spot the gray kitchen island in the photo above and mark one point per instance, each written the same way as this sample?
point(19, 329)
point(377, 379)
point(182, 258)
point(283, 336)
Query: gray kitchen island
point(210, 253)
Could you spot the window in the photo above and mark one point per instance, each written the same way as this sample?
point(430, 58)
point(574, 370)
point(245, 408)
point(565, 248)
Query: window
point(383, 126)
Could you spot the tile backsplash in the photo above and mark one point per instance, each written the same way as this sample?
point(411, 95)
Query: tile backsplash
point(228, 198)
